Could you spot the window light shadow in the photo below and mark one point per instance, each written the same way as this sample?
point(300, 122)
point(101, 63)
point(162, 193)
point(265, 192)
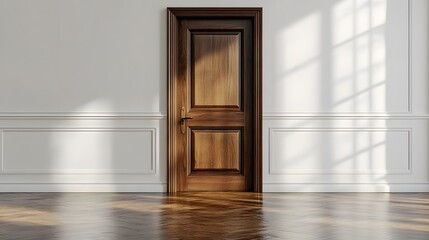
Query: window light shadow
point(337, 57)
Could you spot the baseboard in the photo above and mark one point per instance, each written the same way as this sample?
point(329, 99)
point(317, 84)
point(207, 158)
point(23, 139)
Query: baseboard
point(149, 187)
point(364, 187)
point(268, 187)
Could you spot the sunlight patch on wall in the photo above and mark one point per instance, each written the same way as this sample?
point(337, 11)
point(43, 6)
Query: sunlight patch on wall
point(359, 56)
point(378, 13)
point(339, 151)
point(342, 20)
point(359, 49)
point(364, 151)
point(83, 151)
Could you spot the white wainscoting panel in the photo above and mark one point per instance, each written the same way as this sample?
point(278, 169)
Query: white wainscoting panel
point(76, 151)
point(345, 154)
point(339, 151)
point(83, 154)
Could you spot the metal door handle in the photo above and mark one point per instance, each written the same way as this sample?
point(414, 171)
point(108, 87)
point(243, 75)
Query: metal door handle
point(183, 119)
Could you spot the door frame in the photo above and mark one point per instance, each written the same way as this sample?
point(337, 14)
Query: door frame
point(173, 14)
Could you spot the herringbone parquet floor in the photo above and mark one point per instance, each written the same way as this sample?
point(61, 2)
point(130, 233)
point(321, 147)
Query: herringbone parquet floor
point(108, 216)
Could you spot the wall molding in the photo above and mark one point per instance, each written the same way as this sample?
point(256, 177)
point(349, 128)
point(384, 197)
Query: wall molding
point(410, 58)
point(161, 116)
point(154, 158)
point(271, 157)
point(282, 116)
point(83, 115)
point(111, 187)
point(347, 187)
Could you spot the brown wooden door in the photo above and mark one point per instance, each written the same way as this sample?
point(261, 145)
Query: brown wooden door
point(214, 93)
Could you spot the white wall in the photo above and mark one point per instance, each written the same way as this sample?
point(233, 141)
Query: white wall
point(83, 94)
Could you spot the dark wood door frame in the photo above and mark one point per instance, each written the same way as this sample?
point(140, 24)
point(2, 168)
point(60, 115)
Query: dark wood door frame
point(173, 14)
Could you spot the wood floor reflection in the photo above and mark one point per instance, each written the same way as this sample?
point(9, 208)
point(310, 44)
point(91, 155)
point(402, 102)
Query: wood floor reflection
point(298, 216)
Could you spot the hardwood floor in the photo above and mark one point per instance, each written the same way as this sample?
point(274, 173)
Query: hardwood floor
point(295, 216)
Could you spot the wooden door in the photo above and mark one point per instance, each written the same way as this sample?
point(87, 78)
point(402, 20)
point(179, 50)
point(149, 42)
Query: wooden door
point(214, 99)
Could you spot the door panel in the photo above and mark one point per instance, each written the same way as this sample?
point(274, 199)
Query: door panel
point(214, 101)
point(216, 150)
point(220, 51)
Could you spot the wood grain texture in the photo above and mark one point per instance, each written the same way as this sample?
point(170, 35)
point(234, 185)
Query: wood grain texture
point(297, 216)
point(216, 150)
point(216, 70)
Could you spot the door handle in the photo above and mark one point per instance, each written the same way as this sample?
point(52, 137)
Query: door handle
point(183, 119)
